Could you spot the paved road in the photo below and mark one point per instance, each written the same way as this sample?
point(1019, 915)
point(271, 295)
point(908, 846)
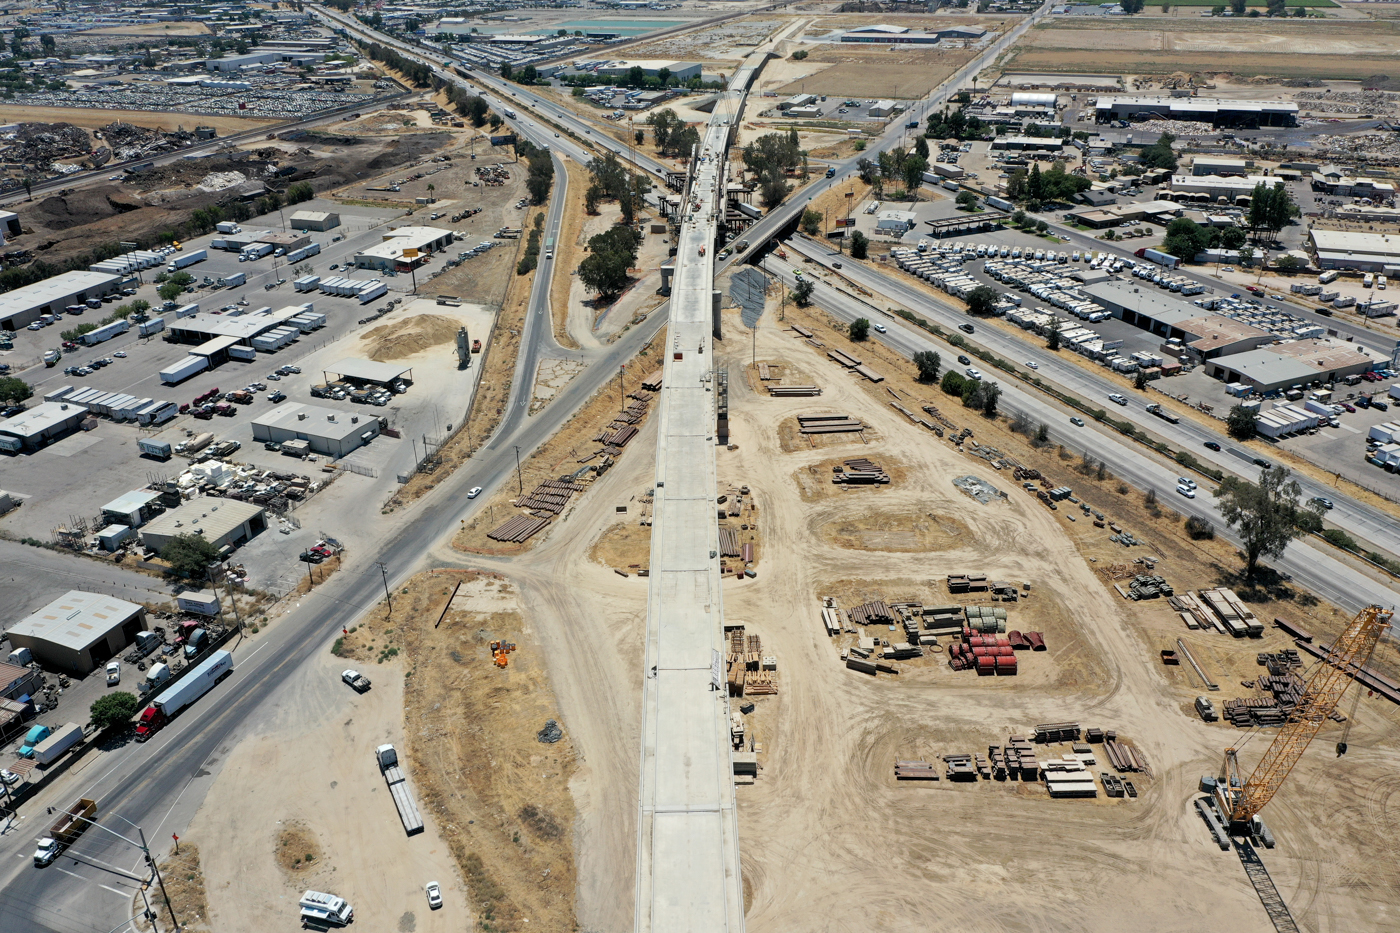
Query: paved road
point(1362, 521)
point(1311, 566)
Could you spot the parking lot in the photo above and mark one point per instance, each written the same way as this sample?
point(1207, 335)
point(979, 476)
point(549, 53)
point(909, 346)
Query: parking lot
point(70, 479)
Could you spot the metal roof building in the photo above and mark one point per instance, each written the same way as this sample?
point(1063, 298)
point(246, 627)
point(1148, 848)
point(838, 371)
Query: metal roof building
point(326, 431)
point(1365, 252)
point(1298, 362)
point(357, 370)
point(314, 220)
point(40, 425)
point(1204, 109)
point(23, 306)
point(225, 523)
point(79, 631)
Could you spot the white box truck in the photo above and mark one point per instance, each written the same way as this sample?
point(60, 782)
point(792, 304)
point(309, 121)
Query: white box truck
point(184, 369)
point(232, 281)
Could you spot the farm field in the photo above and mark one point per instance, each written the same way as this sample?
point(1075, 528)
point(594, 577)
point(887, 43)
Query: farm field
point(907, 74)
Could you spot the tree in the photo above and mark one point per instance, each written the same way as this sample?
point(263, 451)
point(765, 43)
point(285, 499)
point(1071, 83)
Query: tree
point(929, 362)
point(921, 148)
point(860, 245)
point(799, 55)
point(913, 169)
point(802, 292)
point(952, 383)
point(1052, 340)
point(1277, 7)
point(991, 394)
point(611, 254)
point(1246, 256)
point(1237, 7)
point(1288, 264)
point(170, 291)
point(1160, 154)
point(13, 390)
point(189, 555)
point(967, 200)
point(301, 191)
point(860, 329)
point(1240, 423)
point(48, 43)
point(638, 137)
point(1018, 218)
point(1131, 6)
point(1266, 516)
point(114, 711)
point(1271, 207)
point(811, 222)
point(981, 301)
point(1140, 380)
point(1185, 238)
point(1232, 238)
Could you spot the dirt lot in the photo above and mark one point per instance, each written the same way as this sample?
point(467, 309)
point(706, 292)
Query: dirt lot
point(567, 452)
point(501, 794)
point(93, 119)
point(832, 735)
point(1352, 50)
point(907, 74)
point(267, 810)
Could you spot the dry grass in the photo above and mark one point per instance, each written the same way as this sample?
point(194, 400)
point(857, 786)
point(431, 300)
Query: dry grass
point(500, 797)
point(568, 252)
point(1057, 61)
point(93, 118)
point(315, 576)
point(881, 530)
point(298, 849)
point(625, 546)
point(560, 455)
point(866, 72)
point(184, 884)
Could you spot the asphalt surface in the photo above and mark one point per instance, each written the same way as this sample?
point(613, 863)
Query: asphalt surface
point(1309, 565)
point(1362, 521)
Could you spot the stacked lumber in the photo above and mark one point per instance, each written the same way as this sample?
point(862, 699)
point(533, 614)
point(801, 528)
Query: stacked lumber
point(518, 529)
point(1126, 757)
point(968, 583)
point(1058, 732)
point(760, 683)
point(801, 331)
point(872, 613)
point(850, 362)
point(793, 391)
point(653, 382)
point(550, 496)
point(859, 472)
point(735, 679)
point(765, 372)
point(914, 771)
point(868, 373)
point(960, 767)
point(828, 424)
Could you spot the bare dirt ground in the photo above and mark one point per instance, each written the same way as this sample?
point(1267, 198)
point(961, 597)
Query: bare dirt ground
point(91, 118)
point(863, 71)
point(338, 811)
point(500, 794)
point(831, 735)
point(568, 451)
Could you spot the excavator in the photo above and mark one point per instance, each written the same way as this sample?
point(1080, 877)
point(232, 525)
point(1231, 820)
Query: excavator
point(1240, 799)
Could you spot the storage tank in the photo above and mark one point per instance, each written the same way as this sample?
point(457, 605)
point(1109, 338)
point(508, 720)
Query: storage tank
point(1032, 99)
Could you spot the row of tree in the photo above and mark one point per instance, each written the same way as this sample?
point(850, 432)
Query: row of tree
point(469, 105)
point(611, 180)
point(897, 165)
point(417, 72)
point(672, 135)
point(1036, 188)
point(539, 175)
point(770, 158)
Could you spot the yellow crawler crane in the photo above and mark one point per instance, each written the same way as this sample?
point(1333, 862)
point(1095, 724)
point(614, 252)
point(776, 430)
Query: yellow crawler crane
point(1240, 800)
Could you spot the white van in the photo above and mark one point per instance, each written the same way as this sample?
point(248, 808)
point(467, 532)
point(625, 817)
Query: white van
point(326, 908)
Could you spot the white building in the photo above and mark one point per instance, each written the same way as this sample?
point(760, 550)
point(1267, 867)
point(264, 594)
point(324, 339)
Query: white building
point(1348, 249)
point(24, 306)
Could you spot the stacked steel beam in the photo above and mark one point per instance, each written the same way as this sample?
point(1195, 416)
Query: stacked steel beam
point(518, 529)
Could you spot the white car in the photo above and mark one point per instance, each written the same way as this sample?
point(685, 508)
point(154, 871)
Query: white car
point(878, 327)
point(1186, 481)
point(9, 777)
point(1186, 491)
point(1032, 364)
point(114, 673)
point(473, 492)
point(434, 895)
point(974, 374)
point(120, 354)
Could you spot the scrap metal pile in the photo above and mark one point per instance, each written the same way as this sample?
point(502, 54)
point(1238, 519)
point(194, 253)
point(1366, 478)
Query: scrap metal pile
point(41, 144)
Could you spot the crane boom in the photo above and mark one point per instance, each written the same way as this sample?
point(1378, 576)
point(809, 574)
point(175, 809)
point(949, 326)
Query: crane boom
point(1240, 799)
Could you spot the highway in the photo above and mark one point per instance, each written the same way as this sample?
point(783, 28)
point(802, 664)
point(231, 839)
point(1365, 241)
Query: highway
point(1311, 566)
point(1361, 520)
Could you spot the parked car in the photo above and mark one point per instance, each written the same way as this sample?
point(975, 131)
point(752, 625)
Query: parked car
point(114, 673)
point(434, 891)
point(356, 680)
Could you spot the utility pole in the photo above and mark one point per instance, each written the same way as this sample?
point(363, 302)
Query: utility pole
point(150, 860)
point(384, 573)
point(519, 482)
point(621, 398)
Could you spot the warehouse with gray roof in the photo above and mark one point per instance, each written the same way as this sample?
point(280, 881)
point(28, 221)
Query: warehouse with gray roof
point(23, 306)
point(79, 631)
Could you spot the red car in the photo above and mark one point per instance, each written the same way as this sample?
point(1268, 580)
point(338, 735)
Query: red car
point(1254, 289)
point(1348, 409)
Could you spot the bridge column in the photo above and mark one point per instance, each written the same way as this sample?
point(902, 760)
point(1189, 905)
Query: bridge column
point(716, 299)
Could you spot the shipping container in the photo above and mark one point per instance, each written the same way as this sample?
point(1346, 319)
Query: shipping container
point(240, 352)
point(154, 326)
point(160, 450)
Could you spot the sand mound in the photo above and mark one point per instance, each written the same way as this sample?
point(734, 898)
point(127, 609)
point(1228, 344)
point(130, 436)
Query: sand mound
point(413, 335)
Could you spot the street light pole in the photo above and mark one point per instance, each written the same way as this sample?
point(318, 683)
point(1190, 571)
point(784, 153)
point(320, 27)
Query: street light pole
point(384, 573)
point(150, 859)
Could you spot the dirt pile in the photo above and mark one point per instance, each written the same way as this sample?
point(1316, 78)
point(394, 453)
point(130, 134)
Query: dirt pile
point(405, 338)
point(409, 148)
point(80, 207)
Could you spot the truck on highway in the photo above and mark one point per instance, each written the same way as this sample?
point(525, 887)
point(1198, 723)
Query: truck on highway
point(1162, 413)
point(510, 113)
point(52, 748)
point(194, 685)
point(66, 831)
point(388, 760)
point(187, 259)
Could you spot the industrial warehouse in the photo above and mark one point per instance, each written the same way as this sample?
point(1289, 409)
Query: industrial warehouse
point(79, 631)
point(1217, 112)
point(23, 306)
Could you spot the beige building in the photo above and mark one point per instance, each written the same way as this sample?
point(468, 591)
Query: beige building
point(79, 631)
